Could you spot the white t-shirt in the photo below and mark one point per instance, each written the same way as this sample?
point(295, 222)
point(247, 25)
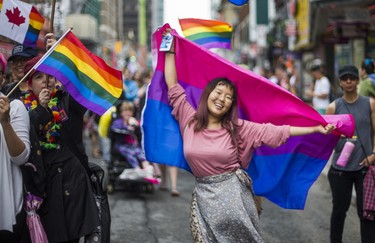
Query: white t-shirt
point(322, 86)
point(10, 173)
point(274, 80)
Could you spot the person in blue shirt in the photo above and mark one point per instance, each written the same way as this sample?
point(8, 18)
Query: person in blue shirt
point(130, 86)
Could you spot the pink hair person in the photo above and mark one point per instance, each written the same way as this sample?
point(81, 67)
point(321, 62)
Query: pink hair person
point(3, 62)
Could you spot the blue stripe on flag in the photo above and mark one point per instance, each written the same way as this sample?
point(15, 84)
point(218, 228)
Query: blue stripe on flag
point(162, 139)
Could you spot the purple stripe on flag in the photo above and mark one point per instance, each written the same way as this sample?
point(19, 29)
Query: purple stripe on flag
point(158, 87)
point(302, 145)
point(217, 44)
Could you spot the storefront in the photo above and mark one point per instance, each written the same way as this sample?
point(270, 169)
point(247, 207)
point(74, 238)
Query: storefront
point(342, 32)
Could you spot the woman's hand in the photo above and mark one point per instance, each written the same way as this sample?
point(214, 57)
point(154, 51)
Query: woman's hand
point(297, 131)
point(44, 97)
point(368, 161)
point(132, 121)
point(49, 40)
point(327, 129)
point(4, 109)
point(166, 32)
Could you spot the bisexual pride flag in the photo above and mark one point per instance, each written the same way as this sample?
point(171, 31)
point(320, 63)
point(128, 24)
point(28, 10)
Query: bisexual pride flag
point(207, 33)
point(284, 174)
point(86, 77)
point(20, 22)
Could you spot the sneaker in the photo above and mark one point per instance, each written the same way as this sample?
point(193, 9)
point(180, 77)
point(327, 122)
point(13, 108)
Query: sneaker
point(154, 181)
point(149, 171)
point(131, 174)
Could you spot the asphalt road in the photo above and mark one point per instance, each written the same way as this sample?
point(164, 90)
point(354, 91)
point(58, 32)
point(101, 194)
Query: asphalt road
point(158, 217)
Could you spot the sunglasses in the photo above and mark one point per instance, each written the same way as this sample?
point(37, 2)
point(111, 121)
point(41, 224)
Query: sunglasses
point(349, 77)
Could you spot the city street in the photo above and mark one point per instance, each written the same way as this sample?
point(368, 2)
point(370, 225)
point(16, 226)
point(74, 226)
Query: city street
point(158, 217)
point(284, 82)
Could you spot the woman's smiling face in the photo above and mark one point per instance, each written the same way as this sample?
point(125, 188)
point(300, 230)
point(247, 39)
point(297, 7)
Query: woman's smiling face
point(220, 101)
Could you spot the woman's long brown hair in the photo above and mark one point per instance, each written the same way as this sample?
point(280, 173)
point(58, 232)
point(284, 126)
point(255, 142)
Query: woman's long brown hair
point(228, 120)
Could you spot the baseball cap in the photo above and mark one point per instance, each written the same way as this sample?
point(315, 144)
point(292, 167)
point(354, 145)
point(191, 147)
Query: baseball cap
point(316, 65)
point(348, 70)
point(22, 51)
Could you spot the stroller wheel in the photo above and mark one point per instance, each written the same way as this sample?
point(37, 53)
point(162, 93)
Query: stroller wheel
point(149, 188)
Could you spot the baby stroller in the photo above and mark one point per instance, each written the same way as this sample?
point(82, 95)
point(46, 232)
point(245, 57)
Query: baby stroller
point(121, 173)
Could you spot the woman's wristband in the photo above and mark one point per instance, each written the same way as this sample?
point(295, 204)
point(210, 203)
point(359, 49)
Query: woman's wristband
point(171, 52)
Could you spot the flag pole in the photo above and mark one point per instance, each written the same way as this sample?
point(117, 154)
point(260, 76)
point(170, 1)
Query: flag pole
point(40, 61)
point(52, 15)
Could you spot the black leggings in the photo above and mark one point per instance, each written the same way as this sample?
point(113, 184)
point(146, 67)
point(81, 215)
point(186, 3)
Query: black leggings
point(341, 185)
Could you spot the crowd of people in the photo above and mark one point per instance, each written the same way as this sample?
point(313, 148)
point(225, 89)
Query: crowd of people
point(286, 74)
point(43, 148)
point(43, 132)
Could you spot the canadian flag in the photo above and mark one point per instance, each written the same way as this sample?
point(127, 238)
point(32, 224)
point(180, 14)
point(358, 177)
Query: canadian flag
point(20, 22)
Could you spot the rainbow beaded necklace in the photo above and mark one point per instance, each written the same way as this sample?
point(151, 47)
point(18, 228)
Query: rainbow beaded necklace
point(50, 133)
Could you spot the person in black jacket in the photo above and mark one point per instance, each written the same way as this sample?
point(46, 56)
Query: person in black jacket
point(69, 211)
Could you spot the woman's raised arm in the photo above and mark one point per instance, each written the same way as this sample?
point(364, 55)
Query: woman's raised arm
point(170, 65)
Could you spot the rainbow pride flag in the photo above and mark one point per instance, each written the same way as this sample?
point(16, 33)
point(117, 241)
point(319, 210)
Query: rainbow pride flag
point(87, 78)
point(20, 22)
point(207, 33)
point(284, 174)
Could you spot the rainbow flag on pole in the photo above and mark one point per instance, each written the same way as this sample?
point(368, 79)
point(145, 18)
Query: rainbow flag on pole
point(20, 22)
point(87, 78)
point(207, 33)
point(285, 174)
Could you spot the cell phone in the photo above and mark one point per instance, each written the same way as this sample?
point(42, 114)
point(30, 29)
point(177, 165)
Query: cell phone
point(166, 42)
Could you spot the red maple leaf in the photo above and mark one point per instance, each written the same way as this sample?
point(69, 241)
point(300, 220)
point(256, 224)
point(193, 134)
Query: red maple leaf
point(15, 17)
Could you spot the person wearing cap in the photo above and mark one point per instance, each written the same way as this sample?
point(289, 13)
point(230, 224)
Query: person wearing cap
point(320, 90)
point(14, 152)
point(69, 211)
point(20, 55)
point(343, 178)
point(367, 74)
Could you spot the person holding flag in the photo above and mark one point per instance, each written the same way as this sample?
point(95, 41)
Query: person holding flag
point(218, 147)
point(56, 116)
point(69, 211)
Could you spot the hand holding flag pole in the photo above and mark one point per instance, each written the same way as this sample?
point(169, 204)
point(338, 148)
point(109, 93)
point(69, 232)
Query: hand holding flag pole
point(39, 62)
point(52, 15)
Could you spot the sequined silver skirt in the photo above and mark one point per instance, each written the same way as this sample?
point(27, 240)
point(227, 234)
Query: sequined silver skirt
point(223, 209)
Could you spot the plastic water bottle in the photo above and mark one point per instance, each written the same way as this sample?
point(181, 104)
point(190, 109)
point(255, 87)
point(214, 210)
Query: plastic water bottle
point(346, 152)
